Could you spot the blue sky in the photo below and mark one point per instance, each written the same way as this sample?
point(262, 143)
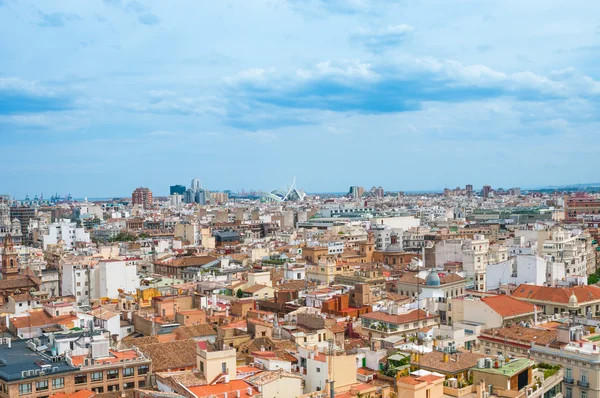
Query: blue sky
point(99, 97)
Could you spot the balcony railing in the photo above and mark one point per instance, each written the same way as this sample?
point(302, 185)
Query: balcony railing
point(568, 380)
point(585, 384)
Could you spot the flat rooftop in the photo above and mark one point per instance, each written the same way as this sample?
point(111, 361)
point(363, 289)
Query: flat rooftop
point(19, 358)
point(509, 369)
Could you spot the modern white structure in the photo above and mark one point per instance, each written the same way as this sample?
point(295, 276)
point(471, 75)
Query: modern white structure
point(110, 276)
point(67, 232)
point(104, 279)
point(529, 269)
point(76, 282)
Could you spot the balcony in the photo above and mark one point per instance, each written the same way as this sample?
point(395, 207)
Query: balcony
point(584, 384)
point(568, 380)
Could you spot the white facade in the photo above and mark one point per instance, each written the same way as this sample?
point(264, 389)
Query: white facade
point(294, 273)
point(67, 232)
point(529, 269)
point(76, 282)
point(112, 275)
point(403, 222)
point(334, 248)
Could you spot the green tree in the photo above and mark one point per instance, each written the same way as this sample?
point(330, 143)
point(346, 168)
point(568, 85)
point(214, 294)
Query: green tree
point(239, 293)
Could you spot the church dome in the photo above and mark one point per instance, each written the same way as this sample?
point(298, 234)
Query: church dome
point(573, 300)
point(394, 247)
point(433, 279)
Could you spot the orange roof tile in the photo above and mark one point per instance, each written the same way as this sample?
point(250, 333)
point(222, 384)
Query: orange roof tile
point(507, 306)
point(561, 295)
point(219, 390)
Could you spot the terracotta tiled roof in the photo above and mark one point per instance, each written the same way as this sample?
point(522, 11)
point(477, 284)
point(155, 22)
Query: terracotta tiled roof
point(456, 362)
point(219, 390)
point(173, 355)
point(407, 317)
point(507, 306)
point(188, 332)
point(193, 261)
point(561, 295)
point(254, 288)
point(78, 394)
point(41, 318)
point(520, 335)
point(140, 341)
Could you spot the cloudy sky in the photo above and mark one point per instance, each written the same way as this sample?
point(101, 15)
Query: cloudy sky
point(98, 97)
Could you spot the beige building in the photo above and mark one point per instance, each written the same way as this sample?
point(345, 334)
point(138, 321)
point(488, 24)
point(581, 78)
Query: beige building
point(316, 369)
point(578, 358)
point(214, 363)
point(277, 384)
point(426, 386)
point(556, 300)
point(326, 270)
point(187, 232)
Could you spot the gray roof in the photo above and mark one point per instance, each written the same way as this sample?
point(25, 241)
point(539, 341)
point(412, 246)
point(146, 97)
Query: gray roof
point(19, 358)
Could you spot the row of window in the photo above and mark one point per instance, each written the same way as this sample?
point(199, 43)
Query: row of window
point(42, 385)
point(58, 383)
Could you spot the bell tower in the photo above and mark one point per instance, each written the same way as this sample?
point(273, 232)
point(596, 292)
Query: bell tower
point(10, 266)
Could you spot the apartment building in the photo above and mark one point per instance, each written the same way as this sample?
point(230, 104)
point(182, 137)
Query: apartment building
point(579, 359)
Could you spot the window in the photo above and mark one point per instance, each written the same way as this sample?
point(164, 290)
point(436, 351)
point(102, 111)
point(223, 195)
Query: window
point(112, 374)
point(318, 370)
point(127, 386)
point(97, 376)
point(81, 378)
point(127, 372)
point(224, 367)
point(41, 385)
point(25, 388)
point(584, 394)
point(584, 376)
point(114, 387)
point(98, 389)
point(568, 373)
point(142, 383)
point(569, 392)
point(58, 383)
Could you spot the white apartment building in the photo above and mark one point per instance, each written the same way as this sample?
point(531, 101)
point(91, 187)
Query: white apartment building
point(76, 281)
point(111, 275)
point(101, 280)
point(472, 253)
point(520, 269)
point(565, 250)
point(67, 232)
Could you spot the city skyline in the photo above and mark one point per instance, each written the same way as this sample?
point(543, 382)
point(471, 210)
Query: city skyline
point(98, 98)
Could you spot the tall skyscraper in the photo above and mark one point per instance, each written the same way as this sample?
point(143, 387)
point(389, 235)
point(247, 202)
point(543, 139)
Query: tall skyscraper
point(177, 189)
point(355, 192)
point(195, 185)
point(142, 196)
point(485, 192)
point(469, 189)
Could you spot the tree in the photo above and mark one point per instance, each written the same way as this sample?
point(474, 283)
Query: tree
point(239, 293)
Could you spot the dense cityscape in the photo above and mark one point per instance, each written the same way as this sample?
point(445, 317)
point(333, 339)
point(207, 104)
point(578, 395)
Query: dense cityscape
point(299, 199)
point(465, 292)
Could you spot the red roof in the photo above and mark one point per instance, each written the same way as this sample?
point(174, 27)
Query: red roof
point(407, 317)
point(507, 306)
point(219, 390)
point(561, 295)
